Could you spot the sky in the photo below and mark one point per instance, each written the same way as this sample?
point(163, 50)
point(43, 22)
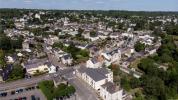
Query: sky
point(131, 5)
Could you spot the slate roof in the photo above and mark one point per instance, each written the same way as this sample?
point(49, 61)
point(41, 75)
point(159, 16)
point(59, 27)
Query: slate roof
point(35, 63)
point(96, 74)
point(94, 60)
point(67, 56)
point(110, 87)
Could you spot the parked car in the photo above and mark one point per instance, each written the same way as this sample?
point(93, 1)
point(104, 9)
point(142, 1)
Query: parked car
point(19, 91)
point(12, 92)
point(3, 94)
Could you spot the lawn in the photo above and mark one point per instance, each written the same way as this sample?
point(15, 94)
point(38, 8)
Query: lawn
point(50, 91)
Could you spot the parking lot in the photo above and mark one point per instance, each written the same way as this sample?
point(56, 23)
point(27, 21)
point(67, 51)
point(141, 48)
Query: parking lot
point(28, 93)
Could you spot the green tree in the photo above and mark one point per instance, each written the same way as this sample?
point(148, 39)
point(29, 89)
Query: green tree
point(139, 46)
point(5, 42)
point(2, 58)
point(125, 84)
point(93, 33)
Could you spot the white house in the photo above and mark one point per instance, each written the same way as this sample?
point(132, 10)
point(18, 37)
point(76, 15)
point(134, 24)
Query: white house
point(109, 91)
point(67, 59)
point(101, 79)
point(112, 56)
point(114, 35)
point(10, 59)
point(52, 68)
point(93, 63)
point(37, 16)
point(73, 33)
point(51, 39)
point(36, 65)
point(25, 45)
point(130, 35)
point(95, 77)
point(58, 53)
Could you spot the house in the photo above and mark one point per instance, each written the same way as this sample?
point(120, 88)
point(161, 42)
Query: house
point(91, 37)
point(129, 35)
point(146, 39)
point(52, 68)
point(111, 56)
point(25, 45)
point(129, 51)
point(4, 72)
point(95, 77)
point(109, 91)
point(93, 63)
point(37, 16)
point(102, 35)
point(58, 80)
point(151, 50)
point(114, 35)
point(93, 49)
point(81, 46)
point(51, 39)
point(67, 59)
point(73, 33)
point(36, 65)
point(10, 59)
point(58, 53)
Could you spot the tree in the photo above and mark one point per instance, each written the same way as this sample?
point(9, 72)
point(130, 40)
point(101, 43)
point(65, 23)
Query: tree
point(153, 87)
point(139, 46)
point(5, 42)
point(93, 33)
point(134, 82)
point(2, 60)
point(125, 84)
point(17, 73)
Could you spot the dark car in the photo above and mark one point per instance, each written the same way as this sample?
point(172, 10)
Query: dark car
point(19, 91)
point(33, 88)
point(12, 92)
point(3, 94)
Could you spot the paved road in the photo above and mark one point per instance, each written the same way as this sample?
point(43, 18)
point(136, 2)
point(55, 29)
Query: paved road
point(23, 82)
point(83, 90)
point(33, 80)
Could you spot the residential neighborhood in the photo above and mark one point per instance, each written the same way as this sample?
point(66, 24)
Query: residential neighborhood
point(88, 55)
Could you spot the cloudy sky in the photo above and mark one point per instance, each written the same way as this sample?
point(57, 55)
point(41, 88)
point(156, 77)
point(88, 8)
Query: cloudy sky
point(134, 5)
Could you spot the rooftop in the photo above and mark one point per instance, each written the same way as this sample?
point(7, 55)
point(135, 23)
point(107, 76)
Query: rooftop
point(35, 63)
point(110, 87)
point(96, 74)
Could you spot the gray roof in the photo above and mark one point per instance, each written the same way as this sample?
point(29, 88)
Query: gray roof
point(67, 56)
point(110, 87)
point(96, 74)
point(35, 63)
point(94, 60)
point(112, 52)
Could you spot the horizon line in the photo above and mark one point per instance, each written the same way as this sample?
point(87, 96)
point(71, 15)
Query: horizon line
point(92, 10)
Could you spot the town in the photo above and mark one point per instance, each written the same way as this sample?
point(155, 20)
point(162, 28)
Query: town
point(88, 55)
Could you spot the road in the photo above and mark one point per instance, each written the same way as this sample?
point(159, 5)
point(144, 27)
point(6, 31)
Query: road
point(22, 83)
point(33, 80)
point(83, 90)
